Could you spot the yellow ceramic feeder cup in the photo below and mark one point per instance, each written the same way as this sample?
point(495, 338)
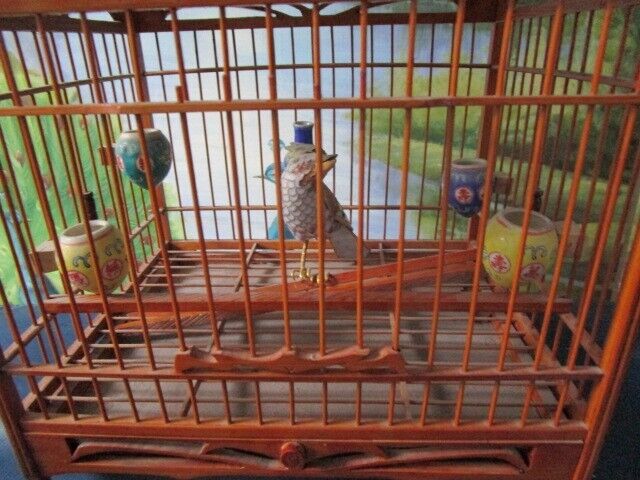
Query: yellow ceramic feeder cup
point(81, 267)
point(501, 248)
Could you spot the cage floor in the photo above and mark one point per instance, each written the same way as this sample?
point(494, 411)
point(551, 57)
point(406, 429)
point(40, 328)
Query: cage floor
point(311, 400)
point(277, 398)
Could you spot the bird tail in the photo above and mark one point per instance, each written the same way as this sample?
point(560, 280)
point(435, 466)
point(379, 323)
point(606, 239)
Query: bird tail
point(345, 243)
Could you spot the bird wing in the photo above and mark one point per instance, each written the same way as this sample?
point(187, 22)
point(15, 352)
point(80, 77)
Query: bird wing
point(341, 235)
point(334, 209)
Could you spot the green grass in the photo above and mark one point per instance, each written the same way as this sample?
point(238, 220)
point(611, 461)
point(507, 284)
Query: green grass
point(433, 173)
point(53, 159)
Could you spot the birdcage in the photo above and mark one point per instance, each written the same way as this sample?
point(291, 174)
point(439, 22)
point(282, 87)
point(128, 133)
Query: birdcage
point(166, 327)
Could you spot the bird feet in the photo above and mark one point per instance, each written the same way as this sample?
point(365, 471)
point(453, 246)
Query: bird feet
point(305, 275)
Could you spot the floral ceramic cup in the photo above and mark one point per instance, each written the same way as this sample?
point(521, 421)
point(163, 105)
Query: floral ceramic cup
point(501, 248)
point(466, 185)
point(82, 268)
point(130, 160)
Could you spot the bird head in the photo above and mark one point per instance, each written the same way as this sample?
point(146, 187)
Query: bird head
point(302, 168)
point(270, 172)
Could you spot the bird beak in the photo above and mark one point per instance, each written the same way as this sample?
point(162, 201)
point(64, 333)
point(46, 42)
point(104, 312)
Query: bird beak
point(328, 164)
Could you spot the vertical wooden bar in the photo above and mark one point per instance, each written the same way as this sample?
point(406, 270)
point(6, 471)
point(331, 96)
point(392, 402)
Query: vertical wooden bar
point(53, 175)
point(42, 197)
point(206, 137)
point(618, 246)
point(446, 174)
point(574, 122)
point(320, 228)
point(558, 134)
point(536, 160)
point(275, 133)
point(573, 196)
point(352, 135)
point(226, 81)
point(520, 154)
point(390, 133)
point(458, 30)
point(553, 47)
point(426, 137)
point(600, 149)
point(491, 155)
point(361, 168)
point(243, 148)
point(21, 278)
point(223, 132)
point(406, 149)
point(182, 95)
point(371, 111)
point(613, 189)
point(13, 213)
point(259, 119)
point(616, 356)
point(282, 254)
point(11, 413)
point(24, 356)
point(406, 140)
point(120, 211)
point(142, 95)
point(99, 95)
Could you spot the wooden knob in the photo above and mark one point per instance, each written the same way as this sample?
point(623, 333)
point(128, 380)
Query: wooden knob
point(292, 455)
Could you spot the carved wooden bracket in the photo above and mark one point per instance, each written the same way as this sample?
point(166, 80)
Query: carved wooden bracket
point(317, 457)
point(352, 359)
point(45, 256)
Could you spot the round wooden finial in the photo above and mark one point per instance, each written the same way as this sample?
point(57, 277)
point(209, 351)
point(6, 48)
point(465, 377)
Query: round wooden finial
point(292, 455)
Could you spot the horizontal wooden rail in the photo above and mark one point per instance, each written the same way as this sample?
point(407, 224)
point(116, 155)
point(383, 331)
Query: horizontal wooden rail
point(484, 12)
point(57, 23)
point(413, 373)
point(65, 85)
point(450, 302)
point(582, 77)
point(191, 246)
point(533, 433)
point(309, 66)
point(261, 208)
point(12, 351)
point(569, 6)
point(147, 108)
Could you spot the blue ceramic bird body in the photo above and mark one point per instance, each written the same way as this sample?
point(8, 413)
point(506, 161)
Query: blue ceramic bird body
point(270, 175)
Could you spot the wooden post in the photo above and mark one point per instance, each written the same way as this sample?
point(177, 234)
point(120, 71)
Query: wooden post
point(11, 411)
point(616, 356)
point(489, 89)
point(142, 93)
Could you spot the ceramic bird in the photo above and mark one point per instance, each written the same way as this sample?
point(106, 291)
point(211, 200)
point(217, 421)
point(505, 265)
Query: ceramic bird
point(270, 175)
point(299, 205)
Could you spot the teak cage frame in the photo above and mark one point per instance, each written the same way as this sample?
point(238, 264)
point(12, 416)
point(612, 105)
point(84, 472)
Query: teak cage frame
point(478, 383)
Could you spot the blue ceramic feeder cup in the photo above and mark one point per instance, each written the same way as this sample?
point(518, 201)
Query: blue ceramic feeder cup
point(466, 185)
point(130, 161)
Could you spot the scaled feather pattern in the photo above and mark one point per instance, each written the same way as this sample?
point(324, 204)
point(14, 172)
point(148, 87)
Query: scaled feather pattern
point(299, 202)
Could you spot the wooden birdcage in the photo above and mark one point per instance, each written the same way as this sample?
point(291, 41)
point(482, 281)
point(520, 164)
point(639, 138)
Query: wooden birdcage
point(209, 359)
